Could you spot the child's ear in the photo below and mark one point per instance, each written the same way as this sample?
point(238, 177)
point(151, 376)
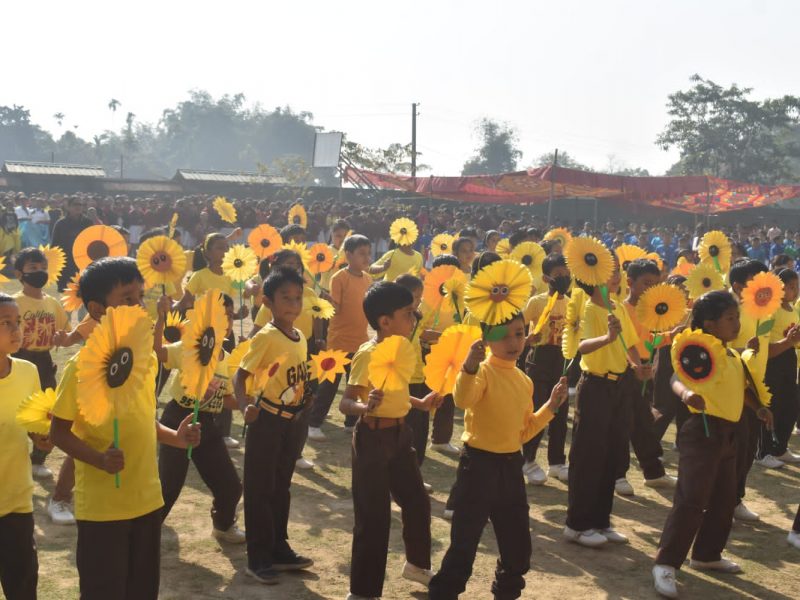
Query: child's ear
point(383, 322)
point(17, 274)
point(95, 309)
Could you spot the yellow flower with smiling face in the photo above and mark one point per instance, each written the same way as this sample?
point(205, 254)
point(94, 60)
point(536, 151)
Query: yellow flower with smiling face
point(174, 327)
point(239, 263)
point(661, 307)
point(202, 339)
point(589, 260)
point(96, 242)
point(447, 356)
point(225, 210)
point(265, 241)
point(703, 279)
point(498, 291)
point(698, 360)
point(403, 232)
point(56, 260)
point(715, 249)
point(391, 364)
point(298, 216)
point(328, 364)
point(442, 244)
point(36, 412)
point(160, 260)
point(762, 295)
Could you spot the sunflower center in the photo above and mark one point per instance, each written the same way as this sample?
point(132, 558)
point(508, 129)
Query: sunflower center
point(527, 260)
point(706, 282)
point(713, 250)
point(403, 231)
point(205, 349)
point(97, 249)
point(320, 257)
point(316, 308)
point(119, 367)
point(265, 243)
point(498, 293)
point(763, 296)
point(327, 364)
point(443, 247)
point(172, 334)
point(662, 308)
point(161, 262)
point(238, 263)
point(297, 220)
point(590, 258)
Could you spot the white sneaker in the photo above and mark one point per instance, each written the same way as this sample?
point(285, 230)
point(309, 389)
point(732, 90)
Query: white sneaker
point(794, 539)
point(613, 536)
point(534, 474)
point(560, 472)
point(664, 581)
point(303, 464)
point(41, 472)
point(622, 487)
point(233, 535)
point(231, 443)
point(665, 482)
point(447, 448)
point(723, 565)
point(428, 487)
point(789, 457)
point(742, 513)
point(60, 513)
point(770, 462)
point(447, 514)
point(589, 538)
point(797, 430)
point(315, 433)
point(418, 574)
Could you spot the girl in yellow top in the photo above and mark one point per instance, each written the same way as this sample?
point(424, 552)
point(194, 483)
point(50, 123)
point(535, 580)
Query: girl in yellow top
point(207, 267)
point(403, 259)
point(705, 498)
point(498, 420)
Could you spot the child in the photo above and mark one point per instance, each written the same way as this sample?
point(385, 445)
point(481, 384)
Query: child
point(705, 497)
point(339, 231)
point(19, 564)
point(544, 365)
point(211, 457)
point(403, 259)
point(489, 485)
point(119, 531)
point(347, 330)
point(270, 445)
point(599, 433)
point(464, 251)
point(384, 462)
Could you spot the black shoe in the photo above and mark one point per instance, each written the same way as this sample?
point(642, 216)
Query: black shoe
point(265, 575)
point(290, 561)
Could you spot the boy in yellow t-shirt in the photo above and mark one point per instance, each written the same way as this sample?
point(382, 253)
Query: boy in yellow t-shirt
point(278, 354)
point(119, 530)
point(384, 462)
point(18, 379)
point(403, 259)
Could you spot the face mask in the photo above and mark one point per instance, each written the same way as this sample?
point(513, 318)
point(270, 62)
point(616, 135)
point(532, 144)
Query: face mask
point(561, 284)
point(37, 279)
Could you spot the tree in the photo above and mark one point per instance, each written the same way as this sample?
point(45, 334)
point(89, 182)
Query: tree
point(498, 152)
point(565, 160)
point(113, 105)
point(722, 132)
point(19, 138)
point(59, 117)
point(395, 158)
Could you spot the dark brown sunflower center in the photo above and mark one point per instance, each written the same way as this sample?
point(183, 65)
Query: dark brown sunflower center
point(527, 260)
point(320, 257)
point(662, 308)
point(98, 249)
point(205, 348)
point(172, 334)
point(706, 282)
point(238, 262)
point(297, 220)
point(442, 291)
point(119, 367)
point(442, 247)
point(327, 364)
point(590, 258)
point(713, 250)
point(316, 308)
point(403, 231)
point(265, 243)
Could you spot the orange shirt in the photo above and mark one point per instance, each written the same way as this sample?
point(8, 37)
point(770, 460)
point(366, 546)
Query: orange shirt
point(348, 327)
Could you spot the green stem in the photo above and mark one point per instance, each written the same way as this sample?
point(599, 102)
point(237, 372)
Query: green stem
point(116, 445)
point(241, 321)
point(717, 265)
point(195, 414)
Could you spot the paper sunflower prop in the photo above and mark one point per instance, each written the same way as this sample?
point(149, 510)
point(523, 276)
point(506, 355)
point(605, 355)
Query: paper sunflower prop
point(114, 363)
point(682, 268)
point(498, 291)
point(321, 259)
point(531, 255)
point(298, 216)
point(442, 244)
point(571, 336)
point(559, 234)
point(96, 242)
point(661, 307)
point(36, 411)
point(319, 309)
point(698, 359)
point(70, 298)
point(173, 224)
point(225, 210)
point(762, 295)
point(715, 248)
point(265, 241)
point(503, 248)
point(589, 260)
point(548, 308)
point(403, 232)
point(391, 364)
point(3, 278)
point(56, 259)
point(239, 263)
point(703, 279)
point(447, 357)
point(441, 283)
point(301, 249)
point(328, 364)
point(160, 260)
point(174, 327)
point(202, 340)
point(626, 254)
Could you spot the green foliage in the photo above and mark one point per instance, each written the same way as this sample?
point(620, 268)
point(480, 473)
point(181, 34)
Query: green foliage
point(396, 158)
point(498, 152)
point(565, 159)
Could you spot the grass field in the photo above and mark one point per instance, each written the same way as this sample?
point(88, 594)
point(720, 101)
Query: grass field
point(194, 565)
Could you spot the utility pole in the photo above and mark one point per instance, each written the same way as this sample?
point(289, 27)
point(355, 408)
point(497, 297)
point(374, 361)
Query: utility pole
point(414, 139)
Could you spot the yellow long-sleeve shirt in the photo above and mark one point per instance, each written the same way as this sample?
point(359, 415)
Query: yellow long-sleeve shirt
point(497, 403)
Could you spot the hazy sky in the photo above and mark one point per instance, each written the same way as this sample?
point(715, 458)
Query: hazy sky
point(588, 77)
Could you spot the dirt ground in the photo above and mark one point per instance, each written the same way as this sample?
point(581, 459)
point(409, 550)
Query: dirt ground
point(194, 565)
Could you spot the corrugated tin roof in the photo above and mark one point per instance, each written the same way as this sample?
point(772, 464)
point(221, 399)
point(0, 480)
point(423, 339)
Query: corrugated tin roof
point(241, 177)
point(39, 168)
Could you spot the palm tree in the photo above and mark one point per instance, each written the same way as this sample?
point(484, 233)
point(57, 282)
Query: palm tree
point(59, 117)
point(114, 104)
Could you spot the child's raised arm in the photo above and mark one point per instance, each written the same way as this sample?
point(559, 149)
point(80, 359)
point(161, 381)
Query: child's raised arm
point(590, 345)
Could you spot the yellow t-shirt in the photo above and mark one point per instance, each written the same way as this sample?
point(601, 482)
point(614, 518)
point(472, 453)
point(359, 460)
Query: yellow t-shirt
point(395, 403)
point(756, 361)
point(178, 392)
point(203, 280)
point(727, 401)
point(402, 263)
point(16, 489)
point(153, 295)
point(611, 357)
point(554, 325)
point(305, 322)
point(287, 384)
point(784, 320)
point(41, 318)
point(96, 497)
point(498, 415)
point(10, 242)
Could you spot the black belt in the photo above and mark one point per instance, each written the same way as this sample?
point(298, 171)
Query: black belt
point(282, 410)
point(609, 376)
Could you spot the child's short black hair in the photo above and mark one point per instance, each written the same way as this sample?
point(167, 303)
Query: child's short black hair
point(460, 242)
point(355, 241)
point(100, 278)
point(288, 232)
point(744, 270)
point(340, 224)
point(642, 266)
point(551, 261)
point(787, 275)
point(484, 259)
point(383, 299)
point(445, 259)
point(710, 306)
point(151, 233)
point(547, 246)
point(263, 268)
point(6, 299)
point(411, 282)
point(28, 255)
point(516, 238)
point(676, 280)
point(279, 277)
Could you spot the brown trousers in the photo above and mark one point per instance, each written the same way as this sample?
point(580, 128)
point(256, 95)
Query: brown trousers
point(702, 510)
